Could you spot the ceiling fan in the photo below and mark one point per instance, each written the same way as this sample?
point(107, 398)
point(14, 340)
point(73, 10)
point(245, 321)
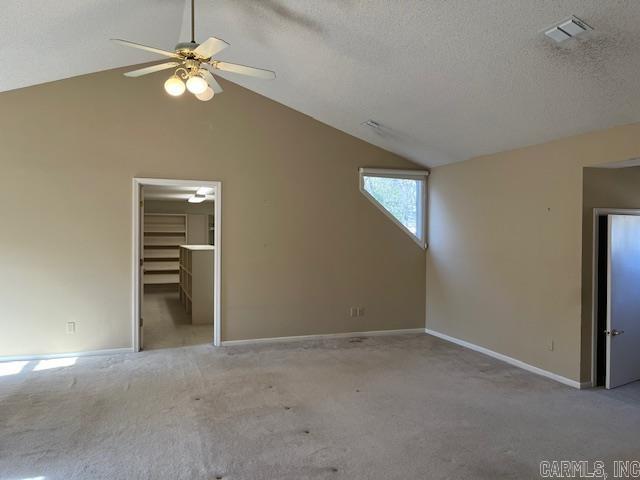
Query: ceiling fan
point(194, 65)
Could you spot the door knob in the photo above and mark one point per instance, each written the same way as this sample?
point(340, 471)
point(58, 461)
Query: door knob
point(614, 332)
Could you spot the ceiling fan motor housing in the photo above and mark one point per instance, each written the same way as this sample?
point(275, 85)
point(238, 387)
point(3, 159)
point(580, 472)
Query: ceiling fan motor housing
point(186, 48)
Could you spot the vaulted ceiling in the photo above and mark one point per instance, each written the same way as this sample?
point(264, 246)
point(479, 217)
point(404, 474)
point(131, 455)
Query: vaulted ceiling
point(447, 80)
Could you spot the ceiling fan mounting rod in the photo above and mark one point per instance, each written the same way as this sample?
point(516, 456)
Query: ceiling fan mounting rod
point(193, 22)
point(193, 65)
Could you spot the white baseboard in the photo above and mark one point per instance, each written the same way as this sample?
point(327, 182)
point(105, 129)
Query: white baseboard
point(375, 333)
point(510, 360)
point(112, 351)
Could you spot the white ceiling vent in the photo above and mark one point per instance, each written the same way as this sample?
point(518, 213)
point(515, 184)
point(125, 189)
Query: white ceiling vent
point(567, 29)
point(371, 123)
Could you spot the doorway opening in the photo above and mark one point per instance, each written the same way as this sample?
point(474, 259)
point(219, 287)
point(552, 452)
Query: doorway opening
point(616, 297)
point(176, 263)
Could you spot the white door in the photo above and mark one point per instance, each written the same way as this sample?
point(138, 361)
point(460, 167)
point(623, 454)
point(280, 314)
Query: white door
point(623, 301)
point(141, 271)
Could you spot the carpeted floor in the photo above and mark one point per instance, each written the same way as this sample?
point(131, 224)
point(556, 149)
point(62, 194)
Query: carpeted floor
point(404, 407)
point(167, 324)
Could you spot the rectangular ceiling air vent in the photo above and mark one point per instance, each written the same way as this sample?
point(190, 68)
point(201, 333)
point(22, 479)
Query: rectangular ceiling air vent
point(567, 29)
point(371, 123)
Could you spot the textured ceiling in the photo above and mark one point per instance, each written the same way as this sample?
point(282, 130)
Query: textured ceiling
point(447, 80)
point(45, 40)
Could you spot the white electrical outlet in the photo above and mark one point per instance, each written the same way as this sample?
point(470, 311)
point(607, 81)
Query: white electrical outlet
point(71, 327)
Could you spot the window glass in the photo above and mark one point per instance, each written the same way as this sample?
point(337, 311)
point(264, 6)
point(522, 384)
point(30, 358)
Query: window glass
point(399, 196)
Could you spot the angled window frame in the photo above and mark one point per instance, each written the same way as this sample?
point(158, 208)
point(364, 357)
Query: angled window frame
point(421, 214)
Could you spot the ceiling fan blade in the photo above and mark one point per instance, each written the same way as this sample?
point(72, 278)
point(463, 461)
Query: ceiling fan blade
point(210, 47)
point(151, 69)
point(244, 70)
point(159, 51)
point(215, 86)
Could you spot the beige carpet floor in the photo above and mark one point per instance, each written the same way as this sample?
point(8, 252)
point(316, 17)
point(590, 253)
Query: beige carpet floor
point(403, 407)
point(167, 324)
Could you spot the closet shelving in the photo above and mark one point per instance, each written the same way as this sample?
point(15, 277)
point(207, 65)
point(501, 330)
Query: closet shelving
point(196, 282)
point(163, 235)
point(186, 278)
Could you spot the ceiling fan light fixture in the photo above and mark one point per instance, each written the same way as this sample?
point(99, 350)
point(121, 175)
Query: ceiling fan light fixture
point(206, 95)
point(197, 198)
point(197, 85)
point(195, 64)
point(174, 86)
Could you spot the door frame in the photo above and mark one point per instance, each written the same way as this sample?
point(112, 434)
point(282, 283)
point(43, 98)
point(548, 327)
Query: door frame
point(598, 212)
point(217, 267)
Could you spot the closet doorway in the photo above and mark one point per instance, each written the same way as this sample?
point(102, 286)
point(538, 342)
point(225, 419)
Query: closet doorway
point(616, 304)
point(176, 263)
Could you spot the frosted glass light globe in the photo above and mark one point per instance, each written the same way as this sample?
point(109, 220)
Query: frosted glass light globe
point(196, 85)
point(174, 86)
point(206, 95)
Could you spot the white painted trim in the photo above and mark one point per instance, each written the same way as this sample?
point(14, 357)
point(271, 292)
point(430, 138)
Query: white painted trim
point(112, 351)
point(594, 293)
point(135, 255)
point(299, 338)
point(510, 360)
point(389, 173)
point(632, 162)
point(217, 273)
point(597, 212)
point(392, 171)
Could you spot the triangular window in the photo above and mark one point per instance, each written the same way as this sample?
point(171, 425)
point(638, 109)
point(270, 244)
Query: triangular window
point(400, 194)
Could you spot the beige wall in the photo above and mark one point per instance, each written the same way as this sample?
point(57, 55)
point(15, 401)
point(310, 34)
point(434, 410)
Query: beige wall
point(504, 260)
point(603, 188)
point(300, 243)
